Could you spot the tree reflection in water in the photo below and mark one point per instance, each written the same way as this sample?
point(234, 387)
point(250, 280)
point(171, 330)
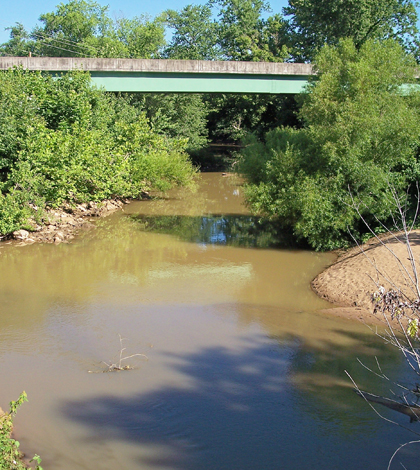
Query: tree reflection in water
point(231, 230)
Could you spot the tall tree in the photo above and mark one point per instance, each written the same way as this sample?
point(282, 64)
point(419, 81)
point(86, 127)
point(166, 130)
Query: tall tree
point(68, 31)
point(19, 44)
point(244, 34)
point(313, 23)
point(83, 28)
point(194, 34)
point(142, 37)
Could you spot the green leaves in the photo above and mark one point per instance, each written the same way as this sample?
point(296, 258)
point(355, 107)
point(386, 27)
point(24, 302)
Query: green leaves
point(244, 34)
point(10, 456)
point(83, 28)
point(314, 23)
point(194, 34)
point(64, 141)
point(360, 135)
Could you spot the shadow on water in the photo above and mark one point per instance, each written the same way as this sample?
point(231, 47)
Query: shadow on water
point(245, 231)
point(244, 410)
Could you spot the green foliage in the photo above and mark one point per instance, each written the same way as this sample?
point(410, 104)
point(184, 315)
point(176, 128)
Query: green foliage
point(413, 328)
point(176, 115)
point(62, 140)
point(10, 455)
point(19, 43)
point(232, 117)
point(313, 23)
point(361, 134)
point(194, 34)
point(142, 38)
point(67, 31)
point(83, 28)
point(243, 33)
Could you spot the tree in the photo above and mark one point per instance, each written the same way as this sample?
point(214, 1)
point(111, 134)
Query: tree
point(360, 134)
point(314, 23)
point(83, 28)
point(176, 115)
point(232, 117)
point(68, 30)
point(244, 34)
point(62, 140)
point(142, 37)
point(19, 44)
point(194, 34)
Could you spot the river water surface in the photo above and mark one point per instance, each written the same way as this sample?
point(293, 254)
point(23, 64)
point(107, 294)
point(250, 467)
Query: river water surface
point(242, 371)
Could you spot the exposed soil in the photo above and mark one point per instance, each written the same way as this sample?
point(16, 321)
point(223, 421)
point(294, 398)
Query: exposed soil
point(61, 225)
point(356, 275)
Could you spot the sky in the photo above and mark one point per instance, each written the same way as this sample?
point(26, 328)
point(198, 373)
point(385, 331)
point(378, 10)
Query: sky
point(27, 12)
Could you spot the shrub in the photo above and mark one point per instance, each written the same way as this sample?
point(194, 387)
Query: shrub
point(61, 140)
point(10, 455)
point(360, 135)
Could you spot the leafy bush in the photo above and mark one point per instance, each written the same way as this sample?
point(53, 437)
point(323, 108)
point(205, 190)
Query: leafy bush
point(10, 456)
point(361, 134)
point(63, 140)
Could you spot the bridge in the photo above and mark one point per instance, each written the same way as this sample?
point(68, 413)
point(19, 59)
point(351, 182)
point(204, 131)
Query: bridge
point(176, 76)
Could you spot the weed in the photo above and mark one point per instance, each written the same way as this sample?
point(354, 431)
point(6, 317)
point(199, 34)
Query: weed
point(10, 455)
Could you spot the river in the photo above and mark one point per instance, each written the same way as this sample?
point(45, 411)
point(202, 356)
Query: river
point(239, 368)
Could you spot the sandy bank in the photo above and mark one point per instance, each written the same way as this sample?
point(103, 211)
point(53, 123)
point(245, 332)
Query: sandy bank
point(351, 280)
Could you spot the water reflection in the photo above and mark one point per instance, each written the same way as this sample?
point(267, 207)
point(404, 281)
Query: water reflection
point(230, 230)
point(149, 266)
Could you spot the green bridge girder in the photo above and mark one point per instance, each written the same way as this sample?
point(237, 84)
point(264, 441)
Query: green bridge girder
point(192, 83)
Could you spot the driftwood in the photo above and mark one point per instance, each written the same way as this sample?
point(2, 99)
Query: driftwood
point(412, 411)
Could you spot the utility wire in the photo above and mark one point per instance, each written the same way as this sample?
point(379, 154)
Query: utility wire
point(49, 44)
point(64, 41)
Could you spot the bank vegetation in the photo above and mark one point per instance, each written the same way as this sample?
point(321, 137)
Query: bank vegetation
point(66, 142)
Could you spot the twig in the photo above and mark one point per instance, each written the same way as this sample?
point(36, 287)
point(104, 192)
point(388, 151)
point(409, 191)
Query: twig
point(118, 367)
point(399, 448)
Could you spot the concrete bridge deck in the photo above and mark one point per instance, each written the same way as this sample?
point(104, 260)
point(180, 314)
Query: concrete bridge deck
point(176, 76)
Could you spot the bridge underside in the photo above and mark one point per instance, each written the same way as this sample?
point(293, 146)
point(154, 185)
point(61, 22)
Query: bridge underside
point(152, 82)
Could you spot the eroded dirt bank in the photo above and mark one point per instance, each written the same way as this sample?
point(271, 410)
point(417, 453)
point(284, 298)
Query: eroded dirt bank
point(61, 225)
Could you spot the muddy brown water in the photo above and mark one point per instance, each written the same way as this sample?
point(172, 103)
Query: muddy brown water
point(242, 370)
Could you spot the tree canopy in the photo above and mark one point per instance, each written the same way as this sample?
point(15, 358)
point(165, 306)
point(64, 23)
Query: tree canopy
point(194, 34)
point(313, 23)
point(83, 28)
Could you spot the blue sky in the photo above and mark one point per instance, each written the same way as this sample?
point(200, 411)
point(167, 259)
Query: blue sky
point(27, 12)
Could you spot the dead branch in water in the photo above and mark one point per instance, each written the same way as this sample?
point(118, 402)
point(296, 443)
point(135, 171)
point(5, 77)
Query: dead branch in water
point(116, 367)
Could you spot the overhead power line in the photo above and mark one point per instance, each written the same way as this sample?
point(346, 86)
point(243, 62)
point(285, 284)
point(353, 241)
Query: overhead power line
point(66, 42)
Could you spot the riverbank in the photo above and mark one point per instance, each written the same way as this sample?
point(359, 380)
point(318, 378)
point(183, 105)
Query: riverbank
point(61, 225)
point(355, 276)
